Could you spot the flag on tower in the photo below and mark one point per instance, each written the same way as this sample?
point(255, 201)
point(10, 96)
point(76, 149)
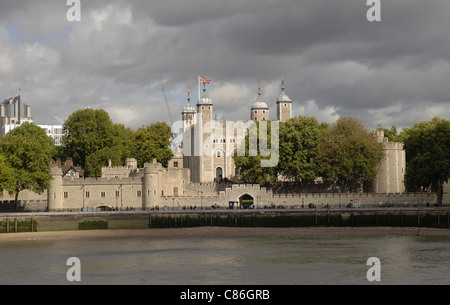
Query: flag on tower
point(204, 80)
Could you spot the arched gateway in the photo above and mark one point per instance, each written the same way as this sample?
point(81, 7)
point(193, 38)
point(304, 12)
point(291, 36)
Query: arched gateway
point(246, 201)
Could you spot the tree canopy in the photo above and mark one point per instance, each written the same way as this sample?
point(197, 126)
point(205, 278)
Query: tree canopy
point(250, 163)
point(6, 176)
point(346, 150)
point(299, 138)
point(349, 152)
point(91, 139)
point(427, 146)
point(151, 142)
point(27, 151)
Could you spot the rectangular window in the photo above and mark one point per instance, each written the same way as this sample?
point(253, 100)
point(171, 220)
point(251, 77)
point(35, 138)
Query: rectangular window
point(175, 164)
point(103, 194)
point(139, 193)
point(87, 194)
point(66, 195)
point(117, 194)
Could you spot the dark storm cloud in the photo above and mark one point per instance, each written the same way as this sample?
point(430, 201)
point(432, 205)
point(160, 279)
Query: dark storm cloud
point(123, 53)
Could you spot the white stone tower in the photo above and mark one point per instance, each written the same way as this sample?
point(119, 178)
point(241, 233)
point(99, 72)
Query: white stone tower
point(284, 105)
point(188, 113)
point(260, 110)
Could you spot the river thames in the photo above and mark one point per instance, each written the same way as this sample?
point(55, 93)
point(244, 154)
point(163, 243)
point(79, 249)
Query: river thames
point(229, 259)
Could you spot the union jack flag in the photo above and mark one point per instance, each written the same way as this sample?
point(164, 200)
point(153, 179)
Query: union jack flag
point(204, 80)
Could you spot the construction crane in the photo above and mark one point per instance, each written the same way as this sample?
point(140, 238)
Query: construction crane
point(167, 106)
point(61, 121)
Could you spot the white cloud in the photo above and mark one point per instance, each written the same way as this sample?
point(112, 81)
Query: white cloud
point(328, 114)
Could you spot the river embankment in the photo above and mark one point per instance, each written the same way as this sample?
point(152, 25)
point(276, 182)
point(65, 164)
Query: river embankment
point(433, 218)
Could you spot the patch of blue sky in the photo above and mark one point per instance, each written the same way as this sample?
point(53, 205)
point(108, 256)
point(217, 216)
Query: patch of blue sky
point(60, 36)
point(13, 31)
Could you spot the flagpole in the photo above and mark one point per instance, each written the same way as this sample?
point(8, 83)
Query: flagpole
point(198, 81)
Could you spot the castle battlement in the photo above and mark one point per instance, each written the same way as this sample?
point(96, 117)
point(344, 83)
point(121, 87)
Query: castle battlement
point(100, 181)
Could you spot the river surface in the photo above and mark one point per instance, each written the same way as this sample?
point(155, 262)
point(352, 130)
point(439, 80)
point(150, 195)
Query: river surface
point(226, 260)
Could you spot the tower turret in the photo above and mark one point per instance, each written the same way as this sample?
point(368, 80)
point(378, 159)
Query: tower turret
point(260, 110)
point(205, 107)
point(188, 112)
point(284, 104)
point(55, 189)
point(151, 188)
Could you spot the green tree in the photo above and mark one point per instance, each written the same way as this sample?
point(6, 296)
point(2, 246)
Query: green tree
point(91, 137)
point(117, 152)
point(427, 146)
point(349, 152)
point(249, 164)
point(299, 138)
point(28, 151)
point(121, 141)
point(6, 176)
point(100, 158)
point(86, 131)
point(152, 142)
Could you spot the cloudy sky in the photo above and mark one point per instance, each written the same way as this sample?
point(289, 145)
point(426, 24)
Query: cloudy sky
point(129, 56)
